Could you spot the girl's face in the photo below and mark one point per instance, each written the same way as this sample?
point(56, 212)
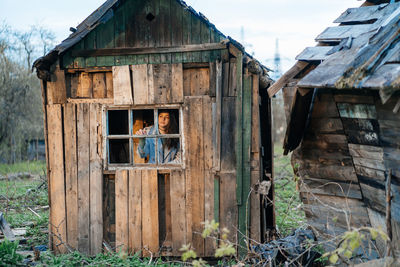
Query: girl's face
point(163, 120)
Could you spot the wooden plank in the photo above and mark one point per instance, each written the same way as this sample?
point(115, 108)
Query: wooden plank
point(356, 99)
point(363, 151)
point(233, 83)
point(357, 111)
point(199, 82)
point(315, 53)
point(255, 121)
point(99, 85)
point(326, 125)
point(286, 77)
point(71, 174)
point(122, 85)
point(336, 34)
point(194, 48)
point(85, 85)
point(178, 210)
point(366, 13)
point(162, 75)
point(150, 223)
point(57, 183)
point(96, 181)
point(225, 79)
point(177, 83)
point(228, 127)
point(217, 117)
point(135, 211)
point(121, 210)
point(210, 243)
point(324, 106)
point(140, 84)
point(109, 85)
point(331, 188)
point(228, 208)
point(193, 119)
point(368, 172)
point(83, 178)
point(370, 163)
point(328, 172)
point(56, 88)
point(150, 77)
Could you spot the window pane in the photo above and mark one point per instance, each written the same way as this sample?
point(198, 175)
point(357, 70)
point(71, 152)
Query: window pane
point(118, 122)
point(119, 150)
point(143, 150)
point(169, 120)
point(169, 151)
point(142, 119)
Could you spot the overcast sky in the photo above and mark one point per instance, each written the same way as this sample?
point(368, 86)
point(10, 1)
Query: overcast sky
point(294, 22)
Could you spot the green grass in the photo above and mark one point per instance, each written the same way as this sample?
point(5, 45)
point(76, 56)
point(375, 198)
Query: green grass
point(33, 167)
point(288, 206)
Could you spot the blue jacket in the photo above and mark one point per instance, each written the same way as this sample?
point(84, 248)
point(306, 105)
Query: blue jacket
point(149, 147)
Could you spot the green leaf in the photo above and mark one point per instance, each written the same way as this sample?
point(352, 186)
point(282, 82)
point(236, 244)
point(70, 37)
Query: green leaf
point(374, 233)
point(333, 258)
point(347, 254)
point(354, 244)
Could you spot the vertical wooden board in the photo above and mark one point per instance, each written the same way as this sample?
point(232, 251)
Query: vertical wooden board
point(155, 29)
point(71, 174)
point(96, 181)
point(105, 39)
point(195, 37)
point(150, 225)
point(120, 33)
point(243, 188)
point(178, 210)
point(162, 78)
point(228, 208)
point(186, 32)
point(205, 35)
point(210, 243)
point(255, 121)
point(228, 131)
point(137, 125)
point(140, 84)
point(187, 75)
point(165, 24)
point(255, 208)
point(135, 211)
point(200, 82)
point(83, 178)
point(122, 85)
point(168, 220)
point(150, 77)
point(121, 210)
point(56, 88)
point(90, 43)
point(85, 85)
point(233, 75)
point(79, 62)
point(99, 85)
point(57, 181)
point(193, 120)
point(225, 79)
point(74, 84)
point(109, 85)
point(216, 119)
point(177, 83)
point(177, 31)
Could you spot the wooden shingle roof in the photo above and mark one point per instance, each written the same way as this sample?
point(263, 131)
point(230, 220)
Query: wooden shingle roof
point(361, 52)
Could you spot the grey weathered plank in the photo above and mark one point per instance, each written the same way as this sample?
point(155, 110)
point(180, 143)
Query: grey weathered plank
point(336, 34)
point(366, 13)
point(314, 53)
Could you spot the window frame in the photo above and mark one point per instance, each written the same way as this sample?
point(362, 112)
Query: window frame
point(107, 166)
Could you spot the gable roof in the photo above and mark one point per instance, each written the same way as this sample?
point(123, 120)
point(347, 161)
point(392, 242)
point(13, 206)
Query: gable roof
point(100, 16)
point(361, 52)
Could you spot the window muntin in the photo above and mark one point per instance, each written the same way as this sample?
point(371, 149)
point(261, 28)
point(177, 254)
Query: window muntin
point(122, 141)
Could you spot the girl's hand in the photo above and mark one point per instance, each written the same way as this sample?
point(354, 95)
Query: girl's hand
point(141, 132)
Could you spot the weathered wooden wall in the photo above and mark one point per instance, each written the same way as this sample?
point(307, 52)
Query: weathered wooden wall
point(221, 140)
point(345, 157)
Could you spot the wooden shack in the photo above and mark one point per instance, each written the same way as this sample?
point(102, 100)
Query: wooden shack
point(343, 125)
point(122, 65)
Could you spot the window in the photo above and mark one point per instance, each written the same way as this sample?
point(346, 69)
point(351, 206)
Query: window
point(143, 137)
